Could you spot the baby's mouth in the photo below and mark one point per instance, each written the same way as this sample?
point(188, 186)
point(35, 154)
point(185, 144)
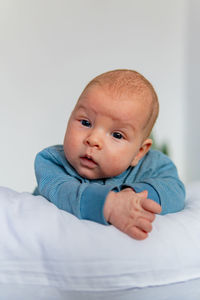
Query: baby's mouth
point(87, 161)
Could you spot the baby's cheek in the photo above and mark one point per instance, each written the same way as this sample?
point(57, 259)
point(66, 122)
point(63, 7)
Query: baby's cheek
point(117, 166)
point(69, 147)
point(70, 140)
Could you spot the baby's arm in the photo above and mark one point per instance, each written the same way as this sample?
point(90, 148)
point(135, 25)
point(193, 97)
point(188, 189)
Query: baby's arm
point(157, 174)
point(131, 212)
point(60, 184)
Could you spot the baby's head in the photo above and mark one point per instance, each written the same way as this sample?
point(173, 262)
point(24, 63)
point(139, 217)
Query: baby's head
point(109, 128)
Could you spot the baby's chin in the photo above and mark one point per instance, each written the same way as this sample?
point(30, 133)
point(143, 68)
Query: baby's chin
point(91, 175)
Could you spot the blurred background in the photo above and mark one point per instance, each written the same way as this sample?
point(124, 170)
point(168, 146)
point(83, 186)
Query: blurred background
point(50, 49)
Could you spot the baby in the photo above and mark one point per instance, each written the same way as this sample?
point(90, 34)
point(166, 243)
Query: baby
point(105, 171)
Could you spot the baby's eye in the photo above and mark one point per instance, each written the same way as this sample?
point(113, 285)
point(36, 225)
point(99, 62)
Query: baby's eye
point(86, 123)
point(117, 135)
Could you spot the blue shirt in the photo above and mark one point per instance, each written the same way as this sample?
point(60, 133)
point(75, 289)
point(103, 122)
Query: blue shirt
point(59, 182)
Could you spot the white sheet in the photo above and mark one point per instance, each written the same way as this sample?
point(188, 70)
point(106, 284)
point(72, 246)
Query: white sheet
point(46, 249)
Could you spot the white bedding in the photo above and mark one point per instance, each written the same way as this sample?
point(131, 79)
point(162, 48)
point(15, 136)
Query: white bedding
point(53, 254)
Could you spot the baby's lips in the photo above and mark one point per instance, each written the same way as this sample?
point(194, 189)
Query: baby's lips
point(88, 162)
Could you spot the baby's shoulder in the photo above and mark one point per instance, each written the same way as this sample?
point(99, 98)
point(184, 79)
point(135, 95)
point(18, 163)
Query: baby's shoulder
point(55, 149)
point(156, 158)
point(55, 152)
point(156, 153)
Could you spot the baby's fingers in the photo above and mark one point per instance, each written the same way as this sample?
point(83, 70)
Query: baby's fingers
point(151, 206)
point(136, 233)
point(144, 225)
point(143, 194)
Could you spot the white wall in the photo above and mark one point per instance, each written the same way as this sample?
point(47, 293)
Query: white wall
point(192, 134)
point(50, 49)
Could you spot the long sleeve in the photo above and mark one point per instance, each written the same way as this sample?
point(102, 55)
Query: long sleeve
point(157, 174)
point(60, 184)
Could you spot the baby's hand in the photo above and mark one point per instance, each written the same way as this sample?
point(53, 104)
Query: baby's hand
point(131, 212)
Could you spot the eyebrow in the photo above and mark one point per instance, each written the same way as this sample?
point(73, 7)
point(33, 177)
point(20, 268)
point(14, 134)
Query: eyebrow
point(85, 108)
point(82, 106)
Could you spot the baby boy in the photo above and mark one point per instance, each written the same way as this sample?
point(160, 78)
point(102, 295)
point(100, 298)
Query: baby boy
point(105, 171)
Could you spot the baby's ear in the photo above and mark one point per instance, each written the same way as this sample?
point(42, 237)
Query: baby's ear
point(142, 151)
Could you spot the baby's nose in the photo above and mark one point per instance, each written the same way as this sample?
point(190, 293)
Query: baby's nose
point(94, 140)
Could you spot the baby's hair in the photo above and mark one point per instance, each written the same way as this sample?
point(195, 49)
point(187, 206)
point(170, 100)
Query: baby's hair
point(124, 81)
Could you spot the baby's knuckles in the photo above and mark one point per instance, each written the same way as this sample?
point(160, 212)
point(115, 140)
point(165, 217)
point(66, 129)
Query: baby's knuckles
point(123, 210)
point(126, 212)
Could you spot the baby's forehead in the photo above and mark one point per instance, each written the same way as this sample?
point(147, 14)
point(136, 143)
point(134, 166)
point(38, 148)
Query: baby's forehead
point(112, 98)
point(122, 107)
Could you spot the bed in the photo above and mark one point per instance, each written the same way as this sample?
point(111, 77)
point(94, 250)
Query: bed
point(47, 253)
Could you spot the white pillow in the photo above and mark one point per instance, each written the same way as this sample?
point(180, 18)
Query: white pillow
point(43, 246)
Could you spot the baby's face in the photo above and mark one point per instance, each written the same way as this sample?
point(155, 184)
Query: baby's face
point(105, 134)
